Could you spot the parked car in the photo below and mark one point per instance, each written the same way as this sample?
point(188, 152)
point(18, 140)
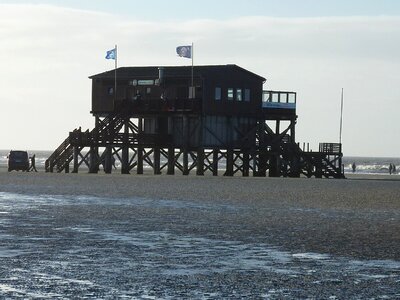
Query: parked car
point(18, 160)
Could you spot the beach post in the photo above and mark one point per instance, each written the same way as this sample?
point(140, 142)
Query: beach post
point(108, 160)
point(125, 149)
point(185, 158)
point(156, 160)
point(215, 161)
point(200, 162)
point(171, 161)
point(246, 163)
point(75, 159)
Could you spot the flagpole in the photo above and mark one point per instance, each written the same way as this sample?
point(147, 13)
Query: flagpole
point(192, 62)
point(341, 118)
point(115, 75)
point(192, 54)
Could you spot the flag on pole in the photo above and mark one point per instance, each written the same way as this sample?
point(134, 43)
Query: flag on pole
point(184, 51)
point(111, 54)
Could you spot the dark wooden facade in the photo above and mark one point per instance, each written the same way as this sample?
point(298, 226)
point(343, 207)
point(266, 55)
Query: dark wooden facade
point(208, 118)
point(165, 88)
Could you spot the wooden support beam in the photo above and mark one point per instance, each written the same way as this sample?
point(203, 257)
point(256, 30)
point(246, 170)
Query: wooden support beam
point(262, 162)
point(139, 169)
point(108, 160)
point(75, 159)
point(229, 163)
point(185, 134)
point(293, 130)
point(277, 126)
point(215, 162)
point(200, 162)
point(274, 162)
point(93, 160)
point(125, 149)
point(246, 163)
point(156, 160)
point(318, 167)
point(185, 162)
point(125, 160)
point(171, 161)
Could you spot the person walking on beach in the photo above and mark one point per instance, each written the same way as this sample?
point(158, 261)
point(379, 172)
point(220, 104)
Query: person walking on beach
point(33, 163)
point(353, 166)
point(390, 169)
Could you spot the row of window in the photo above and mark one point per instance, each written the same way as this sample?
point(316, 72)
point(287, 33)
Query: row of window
point(237, 94)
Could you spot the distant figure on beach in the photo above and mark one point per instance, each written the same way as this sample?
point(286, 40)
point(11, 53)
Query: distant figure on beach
point(392, 169)
point(353, 166)
point(33, 163)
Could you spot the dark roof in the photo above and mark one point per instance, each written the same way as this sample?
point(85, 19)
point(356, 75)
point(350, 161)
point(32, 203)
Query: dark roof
point(152, 71)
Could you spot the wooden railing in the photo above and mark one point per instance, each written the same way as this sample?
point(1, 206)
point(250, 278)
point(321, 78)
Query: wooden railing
point(64, 153)
point(333, 148)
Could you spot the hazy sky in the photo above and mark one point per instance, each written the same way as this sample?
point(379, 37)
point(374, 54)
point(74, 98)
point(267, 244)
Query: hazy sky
point(49, 48)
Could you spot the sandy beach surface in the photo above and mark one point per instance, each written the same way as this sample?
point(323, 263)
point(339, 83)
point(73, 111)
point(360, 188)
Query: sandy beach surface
point(298, 238)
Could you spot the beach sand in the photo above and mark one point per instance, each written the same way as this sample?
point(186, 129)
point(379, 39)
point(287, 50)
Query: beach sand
point(358, 217)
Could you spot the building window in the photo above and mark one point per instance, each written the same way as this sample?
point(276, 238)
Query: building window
point(217, 93)
point(148, 91)
point(110, 91)
point(247, 95)
point(238, 94)
point(230, 94)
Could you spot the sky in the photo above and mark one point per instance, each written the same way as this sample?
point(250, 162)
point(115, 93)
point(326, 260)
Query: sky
point(315, 48)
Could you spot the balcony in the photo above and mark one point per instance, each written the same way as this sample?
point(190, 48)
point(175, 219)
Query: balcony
point(279, 105)
point(279, 100)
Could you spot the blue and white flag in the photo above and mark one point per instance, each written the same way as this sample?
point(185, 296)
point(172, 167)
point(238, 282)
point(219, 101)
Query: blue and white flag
point(184, 51)
point(111, 54)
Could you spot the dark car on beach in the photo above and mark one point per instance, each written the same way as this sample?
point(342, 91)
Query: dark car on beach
point(18, 160)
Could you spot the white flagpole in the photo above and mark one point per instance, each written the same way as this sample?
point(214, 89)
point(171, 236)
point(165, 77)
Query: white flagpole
point(341, 118)
point(192, 86)
point(115, 75)
point(192, 50)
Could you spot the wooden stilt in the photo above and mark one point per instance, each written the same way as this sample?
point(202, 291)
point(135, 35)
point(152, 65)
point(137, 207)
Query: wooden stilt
point(156, 161)
point(185, 162)
point(215, 162)
point(185, 154)
point(139, 169)
point(75, 159)
point(200, 162)
point(171, 161)
point(108, 160)
point(229, 163)
point(125, 160)
point(125, 149)
point(93, 160)
point(246, 163)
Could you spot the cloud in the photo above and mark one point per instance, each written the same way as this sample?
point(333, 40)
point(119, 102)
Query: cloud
point(48, 53)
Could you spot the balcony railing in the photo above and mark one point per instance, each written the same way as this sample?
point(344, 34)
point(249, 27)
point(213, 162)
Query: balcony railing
point(279, 100)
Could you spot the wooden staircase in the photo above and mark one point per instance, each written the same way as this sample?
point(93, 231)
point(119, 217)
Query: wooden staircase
point(324, 163)
point(63, 155)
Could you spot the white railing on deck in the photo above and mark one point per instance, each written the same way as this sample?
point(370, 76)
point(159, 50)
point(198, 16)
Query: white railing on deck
point(279, 99)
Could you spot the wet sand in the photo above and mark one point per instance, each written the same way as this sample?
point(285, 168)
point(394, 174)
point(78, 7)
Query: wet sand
point(97, 236)
point(358, 217)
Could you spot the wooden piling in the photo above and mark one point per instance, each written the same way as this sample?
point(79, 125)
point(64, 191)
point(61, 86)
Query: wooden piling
point(200, 162)
point(215, 162)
